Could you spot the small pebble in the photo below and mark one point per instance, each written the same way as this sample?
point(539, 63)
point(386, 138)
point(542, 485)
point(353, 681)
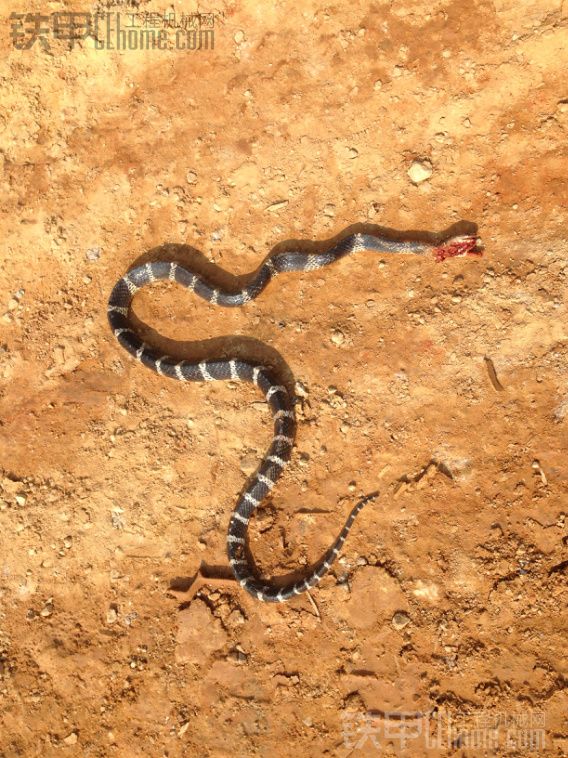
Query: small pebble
point(400, 620)
point(93, 253)
point(130, 618)
point(337, 337)
point(183, 729)
point(300, 389)
point(420, 171)
point(236, 618)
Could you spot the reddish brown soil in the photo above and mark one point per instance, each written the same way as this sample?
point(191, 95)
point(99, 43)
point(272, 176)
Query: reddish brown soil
point(303, 121)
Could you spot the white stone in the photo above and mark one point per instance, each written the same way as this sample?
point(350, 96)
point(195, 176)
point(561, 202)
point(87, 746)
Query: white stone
point(420, 171)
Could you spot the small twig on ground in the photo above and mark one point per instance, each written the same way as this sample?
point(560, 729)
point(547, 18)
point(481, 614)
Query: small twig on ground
point(313, 604)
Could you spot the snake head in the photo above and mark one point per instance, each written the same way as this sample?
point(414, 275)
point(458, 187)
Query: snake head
point(465, 245)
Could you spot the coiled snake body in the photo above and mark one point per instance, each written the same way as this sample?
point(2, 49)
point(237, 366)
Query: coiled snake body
point(277, 397)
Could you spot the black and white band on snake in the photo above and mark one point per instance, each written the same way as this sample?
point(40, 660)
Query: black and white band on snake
point(275, 394)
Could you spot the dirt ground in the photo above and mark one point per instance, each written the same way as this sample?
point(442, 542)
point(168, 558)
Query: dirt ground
point(443, 386)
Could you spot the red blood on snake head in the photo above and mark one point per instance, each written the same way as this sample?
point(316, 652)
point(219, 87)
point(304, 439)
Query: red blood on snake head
point(465, 245)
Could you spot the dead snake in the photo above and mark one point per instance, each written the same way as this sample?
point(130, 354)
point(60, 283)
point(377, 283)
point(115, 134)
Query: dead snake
point(276, 395)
